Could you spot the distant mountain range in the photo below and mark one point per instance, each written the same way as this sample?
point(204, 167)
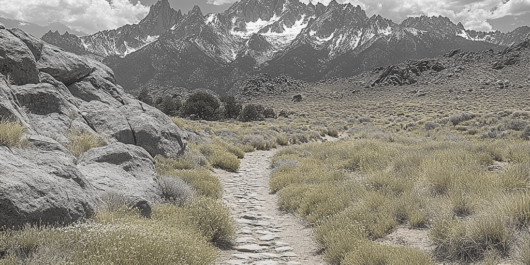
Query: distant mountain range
point(305, 41)
point(37, 30)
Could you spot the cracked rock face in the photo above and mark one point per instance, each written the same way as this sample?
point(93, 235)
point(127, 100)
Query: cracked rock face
point(52, 92)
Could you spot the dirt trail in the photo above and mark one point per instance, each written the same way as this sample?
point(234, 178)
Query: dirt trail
point(265, 235)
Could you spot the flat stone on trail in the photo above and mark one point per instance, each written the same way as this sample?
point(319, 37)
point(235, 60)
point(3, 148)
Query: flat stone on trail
point(289, 254)
point(250, 248)
point(281, 244)
point(269, 237)
point(262, 223)
point(283, 249)
point(293, 263)
point(245, 240)
point(249, 217)
point(235, 262)
point(245, 231)
point(243, 221)
point(266, 262)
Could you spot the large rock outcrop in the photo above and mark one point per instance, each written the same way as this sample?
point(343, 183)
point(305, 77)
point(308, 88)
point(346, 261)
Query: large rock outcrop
point(54, 93)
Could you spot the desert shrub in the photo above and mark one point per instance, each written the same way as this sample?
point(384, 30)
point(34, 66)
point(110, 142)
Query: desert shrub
point(517, 207)
point(222, 155)
point(232, 108)
point(82, 141)
point(429, 126)
point(252, 112)
point(258, 142)
point(201, 105)
point(374, 253)
point(168, 105)
point(145, 97)
point(470, 240)
point(526, 133)
point(115, 201)
point(282, 139)
point(200, 180)
point(11, 133)
point(284, 114)
point(365, 120)
point(333, 132)
point(175, 190)
point(269, 113)
point(523, 253)
point(516, 125)
point(125, 239)
point(213, 219)
point(458, 118)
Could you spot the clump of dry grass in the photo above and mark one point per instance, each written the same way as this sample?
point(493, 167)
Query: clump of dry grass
point(11, 133)
point(81, 141)
point(362, 189)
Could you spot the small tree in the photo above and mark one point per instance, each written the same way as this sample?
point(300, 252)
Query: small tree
point(269, 113)
point(202, 105)
point(252, 112)
point(168, 105)
point(232, 107)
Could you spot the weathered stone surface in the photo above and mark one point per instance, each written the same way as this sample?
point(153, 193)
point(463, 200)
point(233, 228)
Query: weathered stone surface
point(250, 248)
point(2, 26)
point(63, 66)
point(34, 44)
point(85, 91)
point(42, 99)
point(154, 131)
point(107, 120)
point(17, 62)
point(268, 237)
point(42, 186)
point(122, 168)
point(9, 109)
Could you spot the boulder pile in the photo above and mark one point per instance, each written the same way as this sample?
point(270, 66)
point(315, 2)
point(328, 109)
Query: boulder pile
point(53, 93)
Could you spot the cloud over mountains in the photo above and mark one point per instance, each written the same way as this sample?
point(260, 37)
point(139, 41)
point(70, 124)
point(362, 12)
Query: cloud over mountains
point(95, 15)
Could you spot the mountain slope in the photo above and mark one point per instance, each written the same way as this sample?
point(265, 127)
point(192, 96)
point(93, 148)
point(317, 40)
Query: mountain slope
point(308, 42)
point(121, 41)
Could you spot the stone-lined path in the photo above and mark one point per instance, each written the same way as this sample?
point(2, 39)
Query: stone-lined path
point(265, 235)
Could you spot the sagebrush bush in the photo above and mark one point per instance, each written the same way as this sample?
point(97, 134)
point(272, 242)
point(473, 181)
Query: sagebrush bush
point(175, 190)
point(269, 113)
point(458, 118)
point(201, 105)
point(11, 133)
point(81, 141)
point(374, 253)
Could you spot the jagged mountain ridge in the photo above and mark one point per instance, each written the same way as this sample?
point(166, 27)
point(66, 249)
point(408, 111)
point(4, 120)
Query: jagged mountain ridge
point(121, 41)
point(308, 42)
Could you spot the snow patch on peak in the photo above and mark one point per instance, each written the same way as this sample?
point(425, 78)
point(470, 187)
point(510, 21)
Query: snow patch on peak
point(283, 39)
point(210, 18)
point(324, 40)
point(415, 31)
point(253, 27)
point(385, 31)
point(463, 34)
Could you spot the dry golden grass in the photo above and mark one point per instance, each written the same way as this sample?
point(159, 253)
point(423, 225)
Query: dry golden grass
point(80, 141)
point(354, 192)
point(11, 133)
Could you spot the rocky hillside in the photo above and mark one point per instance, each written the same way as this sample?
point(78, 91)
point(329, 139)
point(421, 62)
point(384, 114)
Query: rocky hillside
point(305, 41)
point(55, 94)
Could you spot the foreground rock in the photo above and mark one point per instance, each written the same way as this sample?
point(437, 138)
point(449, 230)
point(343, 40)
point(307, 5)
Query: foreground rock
point(54, 93)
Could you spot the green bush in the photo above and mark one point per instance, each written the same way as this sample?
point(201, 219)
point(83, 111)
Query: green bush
point(252, 112)
point(145, 97)
point(168, 105)
point(232, 108)
point(201, 105)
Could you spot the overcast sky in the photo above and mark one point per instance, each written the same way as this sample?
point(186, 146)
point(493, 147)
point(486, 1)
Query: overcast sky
point(91, 16)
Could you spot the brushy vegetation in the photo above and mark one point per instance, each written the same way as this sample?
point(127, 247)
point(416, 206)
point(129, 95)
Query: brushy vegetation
point(174, 235)
point(354, 192)
point(11, 133)
point(81, 141)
